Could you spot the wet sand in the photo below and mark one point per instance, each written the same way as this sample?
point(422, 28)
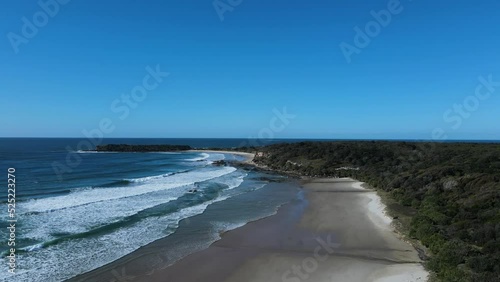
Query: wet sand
point(337, 232)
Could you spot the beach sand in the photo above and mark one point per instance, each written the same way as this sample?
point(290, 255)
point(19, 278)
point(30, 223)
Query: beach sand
point(337, 231)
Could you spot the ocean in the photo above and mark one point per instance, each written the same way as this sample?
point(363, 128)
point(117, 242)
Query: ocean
point(76, 211)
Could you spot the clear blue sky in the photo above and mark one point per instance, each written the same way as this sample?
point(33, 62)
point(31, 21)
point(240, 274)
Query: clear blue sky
point(226, 77)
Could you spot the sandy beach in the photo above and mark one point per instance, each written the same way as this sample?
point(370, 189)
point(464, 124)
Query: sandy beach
point(337, 231)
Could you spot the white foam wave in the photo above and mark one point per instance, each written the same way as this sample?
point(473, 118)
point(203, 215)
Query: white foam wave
point(86, 209)
point(148, 178)
point(33, 247)
point(105, 249)
point(106, 152)
point(94, 152)
point(235, 182)
point(221, 227)
point(203, 156)
point(105, 194)
point(45, 226)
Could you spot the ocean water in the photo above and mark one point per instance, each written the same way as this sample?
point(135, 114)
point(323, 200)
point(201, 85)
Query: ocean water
point(77, 211)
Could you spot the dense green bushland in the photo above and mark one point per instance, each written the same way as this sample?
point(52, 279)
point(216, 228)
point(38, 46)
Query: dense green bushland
point(453, 187)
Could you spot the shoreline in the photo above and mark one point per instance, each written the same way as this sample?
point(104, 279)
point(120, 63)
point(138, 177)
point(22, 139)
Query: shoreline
point(248, 156)
point(339, 231)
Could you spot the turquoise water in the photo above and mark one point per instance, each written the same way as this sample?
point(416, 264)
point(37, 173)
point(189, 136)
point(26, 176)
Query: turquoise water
point(103, 206)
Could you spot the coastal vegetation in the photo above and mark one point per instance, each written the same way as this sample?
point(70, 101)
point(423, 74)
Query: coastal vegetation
point(451, 192)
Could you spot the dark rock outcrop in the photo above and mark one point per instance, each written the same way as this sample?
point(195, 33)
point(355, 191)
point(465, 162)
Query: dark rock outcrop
point(219, 163)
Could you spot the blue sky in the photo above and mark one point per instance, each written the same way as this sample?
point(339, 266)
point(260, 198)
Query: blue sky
point(228, 77)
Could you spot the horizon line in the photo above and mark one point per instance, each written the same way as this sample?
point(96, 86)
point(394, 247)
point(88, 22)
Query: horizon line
point(268, 139)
